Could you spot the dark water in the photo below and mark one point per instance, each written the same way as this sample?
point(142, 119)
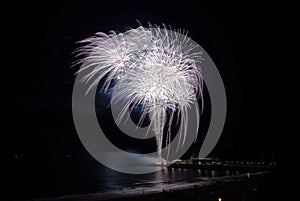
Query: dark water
point(79, 178)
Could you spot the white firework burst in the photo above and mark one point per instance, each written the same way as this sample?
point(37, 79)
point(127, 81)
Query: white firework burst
point(153, 67)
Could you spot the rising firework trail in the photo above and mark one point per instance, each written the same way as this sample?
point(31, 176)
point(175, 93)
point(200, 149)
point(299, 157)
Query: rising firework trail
point(153, 68)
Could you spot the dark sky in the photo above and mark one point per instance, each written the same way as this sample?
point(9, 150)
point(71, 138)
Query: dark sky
point(253, 46)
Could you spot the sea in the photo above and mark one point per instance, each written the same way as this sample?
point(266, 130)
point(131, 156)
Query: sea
point(96, 181)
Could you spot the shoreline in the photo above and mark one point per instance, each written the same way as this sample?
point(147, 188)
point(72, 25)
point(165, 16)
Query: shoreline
point(206, 190)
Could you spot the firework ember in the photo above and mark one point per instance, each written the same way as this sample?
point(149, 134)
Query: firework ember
point(153, 68)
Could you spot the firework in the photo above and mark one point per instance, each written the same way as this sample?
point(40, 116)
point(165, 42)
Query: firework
point(153, 68)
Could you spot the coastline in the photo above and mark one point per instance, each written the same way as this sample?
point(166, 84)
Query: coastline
point(235, 187)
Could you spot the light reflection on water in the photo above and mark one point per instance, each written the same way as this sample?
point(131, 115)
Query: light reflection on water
point(111, 180)
point(99, 180)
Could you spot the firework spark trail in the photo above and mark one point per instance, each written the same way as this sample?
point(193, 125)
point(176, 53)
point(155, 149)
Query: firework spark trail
point(152, 67)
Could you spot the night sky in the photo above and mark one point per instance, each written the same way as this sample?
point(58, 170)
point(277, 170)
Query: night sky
point(252, 44)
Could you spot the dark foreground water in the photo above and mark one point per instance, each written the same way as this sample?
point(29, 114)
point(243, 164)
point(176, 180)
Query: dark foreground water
point(87, 179)
point(172, 181)
point(80, 177)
